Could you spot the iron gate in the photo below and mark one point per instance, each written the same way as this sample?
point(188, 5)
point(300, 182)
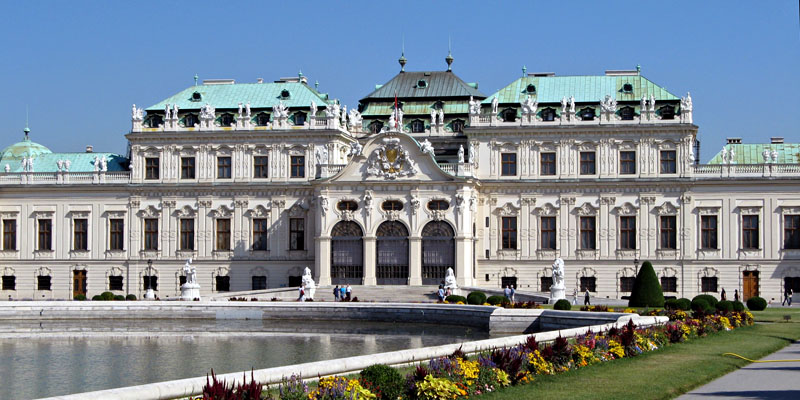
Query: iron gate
point(438, 251)
point(392, 254)
point(347, 254)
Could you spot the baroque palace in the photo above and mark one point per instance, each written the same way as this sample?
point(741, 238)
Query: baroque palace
point(256, 181)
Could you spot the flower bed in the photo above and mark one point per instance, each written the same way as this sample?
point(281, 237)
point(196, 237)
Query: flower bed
point(459, 376)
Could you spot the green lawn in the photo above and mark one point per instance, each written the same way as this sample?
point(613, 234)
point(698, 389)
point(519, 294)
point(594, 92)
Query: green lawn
point(662, 374)
point(777, 315)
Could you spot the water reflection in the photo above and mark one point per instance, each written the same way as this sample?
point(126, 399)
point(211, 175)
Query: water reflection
point(62, 357)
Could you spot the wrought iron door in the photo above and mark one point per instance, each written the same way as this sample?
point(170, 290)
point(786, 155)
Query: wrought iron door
point(392, 254)
point(438, 251)
point(347, 254)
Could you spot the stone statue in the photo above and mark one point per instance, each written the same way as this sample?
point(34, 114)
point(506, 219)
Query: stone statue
point(166, 112)
point(30, 163)
point(774, 155)
point(247, 109)
point(686, 102)
point(191, 289)
point(67, 163)
point(691, 154)
point(24, 164)
point(441, 116)
point(460, 154)
point(608, 104)
point(450, 280)
point(137, 114)
point(313, 108)
point(308, 283)
point(765, 155)
point(321, 154)
point(564, 105)
point(355, 119)
point(643, 104)
point(60, 165)
point(344, 115)
point(652, 103)
point(433, 117)
point(96, 163)
point(400, 118)
point(427, 148)
point(731, 156)
point(392, 122)
point(572, 104)
point(131, 167)
point(724, 155)
point(495, 103)
point(240, 109)
point(8, 168)
point(557, 289)
point(207, 112)
point(175, 111)
point(355, 149)
point(529, 106)
point(103, 164)
point(190, 272)
point(474, 106)
point(473, 153)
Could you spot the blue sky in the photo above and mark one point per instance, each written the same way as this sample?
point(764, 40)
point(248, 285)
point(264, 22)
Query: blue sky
point(79, 65)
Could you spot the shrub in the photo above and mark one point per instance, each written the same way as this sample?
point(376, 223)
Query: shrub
point(711, 300)
point(476, 298)
point(390, 382)
point(671, 304)
point(79, 297)
point(119, 297)
point(130, 297)
point(646, 289)
point(96, 297)
point(497, 300)
point(756, 303)
point(724, 305)
point(108, 296)
point(454, 298)
point(738, 306)
point(684, 304)
point(562, 304)
point(702, 305)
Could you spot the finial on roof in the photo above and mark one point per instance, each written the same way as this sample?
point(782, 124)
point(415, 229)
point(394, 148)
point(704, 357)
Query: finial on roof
point(449, 59)
point(195, 79)
point(26, 130)
point(524, 70)
point(402, 61)
point(300, 73)
point(316, 85)
point(638, 69)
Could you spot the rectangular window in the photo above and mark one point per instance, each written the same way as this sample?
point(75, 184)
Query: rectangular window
point(627, 162)
point(259, 282)
point(297, 234)
point(151, 168)
point(223, 283)
point(588, 283)
point(151, 234)
point(546, 282)
point(260, 234)
point(151, 282)
point(117, 234)
point(187, 167)
point(298, 167)
point(669, 232)
point(791, 231)
point(627, 233)
point(669, 284)
point(187, 234)
point(44, 282)
point(750, 231)
point(626, 283)
point(260, 167)
point(668, 164)
point(548, 228)
point(9, 234)
point(587, 163)
point(115, 283)
point(548, 163)
point(223, 234)
point(80, 234)
point(708, 284)
point(45, 234)
point(223, 168)
point(508, 164)
point(708, 232)
point(9, 282)
point(509, 232)
point(588, 237)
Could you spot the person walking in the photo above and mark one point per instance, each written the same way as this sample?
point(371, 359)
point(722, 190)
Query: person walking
point(735, 294)
point(513, 294)
point(440, 293)
point(787, 296)
point(336, 293)
point(349, 292)
point(722, 295)
point(507, 292)
point(575, 296)
point(586, 300)
point(343, 293)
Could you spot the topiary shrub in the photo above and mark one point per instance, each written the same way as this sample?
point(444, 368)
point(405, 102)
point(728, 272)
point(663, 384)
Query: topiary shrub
point(684, 304)
point(454, 298)
point(79, 297)
point(130, 297)
point(97, 297)
point(562, 304)
point(756, 303)
point(391, 383)
point(737, 305)
point(497, 300)
point(119, 297)
point(476, 298)
point(671, 304)
point(724, 305)
point(711, 300)
point(108, 296)
point(700, 304)
point(646, 289)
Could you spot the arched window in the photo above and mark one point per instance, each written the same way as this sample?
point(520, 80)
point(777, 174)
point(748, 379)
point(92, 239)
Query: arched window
point(375, 126)
point(347, 205)
point(262, 119)
point(392, 205)
point(509, 115)
point(299, 118)
point(347, 253)
point(190, 120)
point(587, 114)
point(391, 267)
point(438, 205)
point(667, 112)
point(154, 121)
point(226, 119)
point(457, 126)
point(417, 126)
point(548, 114)
point(627, 113)
point(438, 251)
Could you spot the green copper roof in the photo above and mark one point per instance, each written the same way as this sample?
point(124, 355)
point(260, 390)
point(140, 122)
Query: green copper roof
point(25, 148)
point(259, 95)
point(788, 153)
point(586, 89)
point(415, 108)
point(79, 162)
point(436, 84)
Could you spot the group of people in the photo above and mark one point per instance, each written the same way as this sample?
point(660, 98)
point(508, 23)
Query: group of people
point(510, 292)
point(443, 292)
point(343, 293)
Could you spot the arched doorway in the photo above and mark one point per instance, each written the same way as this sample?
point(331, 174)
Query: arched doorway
point(392, 254)
point(347, 253)
point(438, 251)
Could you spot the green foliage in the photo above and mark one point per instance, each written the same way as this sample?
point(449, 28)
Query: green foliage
point(97, 297)
point(454, 298)
point(390, 382)
point(130, 297)
point(756, 303)
point(711, 300)
point(79, 297)
point(107, 296)
point(476, 298)
point(678, 304)
point(497, 300)
point(724, 305)
point(562, 304)
point(119, 297)
point(702, 305)
point(738, 306)
point(646, 289)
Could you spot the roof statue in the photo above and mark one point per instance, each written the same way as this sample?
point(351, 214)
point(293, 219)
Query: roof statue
point(686, 102)
point(137, 114)
point(60, 165)
point(392, 122)
point(96, 163)
point(572, 104)
point(8, 168)
point(175, 111)
point(313, 108)
point(529, 106)
point(441, 116)
point(207, 111)
point(247, 110)
point(355, 147)
point(433, 117)
point(240, 109)
point(765, 155)
point(643, 104)
point(67, 163)
point(608, 104)
point(564, 105)
point(280, 110)
point(732, 156)
point(166, 111)
point(724, 155)
point(774, 155)
point(495, 103)
point(461, 154)
point(427, 148)
point(652, 103)
point(344, 116)
point(474, 106)
point(355, 119)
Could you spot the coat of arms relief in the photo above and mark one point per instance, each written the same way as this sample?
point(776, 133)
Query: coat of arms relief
point(390, 160)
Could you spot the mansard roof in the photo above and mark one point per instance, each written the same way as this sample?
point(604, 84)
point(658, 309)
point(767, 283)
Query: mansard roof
point(229, 95)
point(586, 89)
point(438, 84)
point(79, 162)
point(752, 153)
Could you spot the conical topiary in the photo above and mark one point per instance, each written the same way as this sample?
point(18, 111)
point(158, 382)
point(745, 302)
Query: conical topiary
point(646, 289)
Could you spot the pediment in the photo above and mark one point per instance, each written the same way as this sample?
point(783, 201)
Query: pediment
point(392, 157)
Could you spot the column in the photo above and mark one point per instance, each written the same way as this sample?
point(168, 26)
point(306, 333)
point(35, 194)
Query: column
point(323, 261)
point(369, 260)
point(464, 261)
point(415, 260)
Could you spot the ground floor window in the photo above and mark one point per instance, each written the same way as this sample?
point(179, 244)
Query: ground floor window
point(588, 283)
point(792, 282)
point(223, 283)
point(9, 282)
point(669, 284)
point(259, 282)
point(150, 282)
point(626, 283)
point(115, 283)
point(708, 284)
point(43, 282)
point(546, 282)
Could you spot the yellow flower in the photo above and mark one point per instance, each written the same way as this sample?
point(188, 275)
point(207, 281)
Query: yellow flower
point(538, 365)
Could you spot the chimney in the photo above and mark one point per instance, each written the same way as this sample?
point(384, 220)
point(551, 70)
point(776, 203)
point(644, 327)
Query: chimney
point(89, 148)
point(734, 140)
point(260, 80)
point(776, 140)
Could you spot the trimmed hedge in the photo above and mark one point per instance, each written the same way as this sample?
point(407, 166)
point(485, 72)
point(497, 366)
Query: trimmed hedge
point(79, 297)
point(562, 304)
point(756, 303)
point(646, 289)
point(97, 297)
point(724, 305)
point(391, 383)
point(682, 304)
point(738, 306)
point(119, 297)
point(497, 300)
point(130, 297)
point(701, 304)
point(108, 296)
point(454, 298)
point(476, 298)
point(711, 300)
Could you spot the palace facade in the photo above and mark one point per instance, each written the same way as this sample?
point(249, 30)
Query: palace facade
point(256, 181)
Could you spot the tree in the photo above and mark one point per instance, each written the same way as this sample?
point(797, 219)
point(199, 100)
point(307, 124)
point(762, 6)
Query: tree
point(646, 289)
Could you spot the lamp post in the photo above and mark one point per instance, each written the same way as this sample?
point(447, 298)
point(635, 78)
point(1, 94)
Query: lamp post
point(636, 265)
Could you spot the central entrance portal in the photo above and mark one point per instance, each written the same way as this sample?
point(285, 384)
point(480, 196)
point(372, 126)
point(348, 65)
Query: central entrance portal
point(347, 254)
point(438, 251)
point(392, 257)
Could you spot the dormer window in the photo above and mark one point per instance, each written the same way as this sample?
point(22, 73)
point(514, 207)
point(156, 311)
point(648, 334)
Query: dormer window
point(587, 114)
point(438, 205)
point(457, 126)
point(392, 205)
point(226, 119)
point(190, 120)
point(530, 89)
point(627, 88)
point(667, 112)
point(417, 126)
point(548, 114)
point(627, 113)
point(376, 126)
point(347, 205)
point(154, 121)
point(299, 118)
point(196, 96)
point(421, 84)
point(284, 94)
point(509, 115)
point(262, 119)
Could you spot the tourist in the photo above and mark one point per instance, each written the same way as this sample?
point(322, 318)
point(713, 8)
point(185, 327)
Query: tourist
point(302, 294)
point(507, 292)
point(336, 293)
point(722, 295)
point(736, 295)
point(586, 301)
point(513, 294)
point(575, 296)
point(343, 293)
point(441, 293)
point(349, 292)
point(787, 296)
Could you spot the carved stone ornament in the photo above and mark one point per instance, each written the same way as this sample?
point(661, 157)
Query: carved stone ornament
point(626, 209)
point(346, 215)
point(390, 160)
point(185, 212)
point(437, 215)
point(258, 212)
point(221, 212)
point(547, 209)
point(586, 209)
point(790, 210)
point(750, 210)
point(667, 209)
point(508, 209)
point(708, 210)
